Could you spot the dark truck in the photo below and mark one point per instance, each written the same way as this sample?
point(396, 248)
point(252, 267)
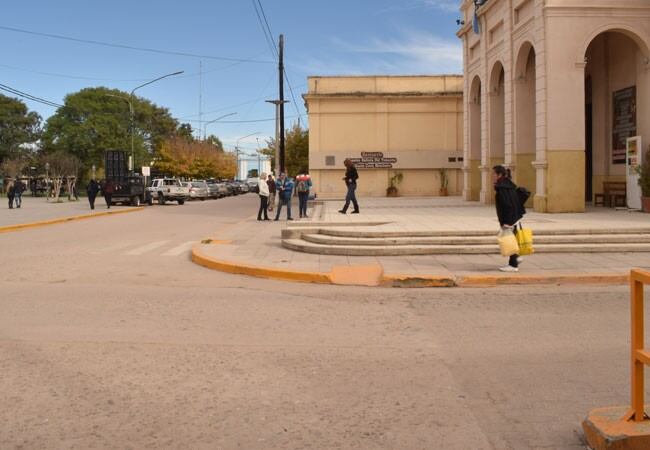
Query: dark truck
point(128, 188)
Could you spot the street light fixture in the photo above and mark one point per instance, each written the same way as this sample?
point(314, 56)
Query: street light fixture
point(205, 125)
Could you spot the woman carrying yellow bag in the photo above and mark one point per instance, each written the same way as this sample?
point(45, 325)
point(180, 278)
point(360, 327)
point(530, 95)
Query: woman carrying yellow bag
point(510, 210)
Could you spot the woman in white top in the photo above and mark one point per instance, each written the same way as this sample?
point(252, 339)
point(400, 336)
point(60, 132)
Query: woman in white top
point(264, 197)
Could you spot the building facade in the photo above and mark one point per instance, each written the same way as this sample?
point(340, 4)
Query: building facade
point(388, 125)
point(552, 90)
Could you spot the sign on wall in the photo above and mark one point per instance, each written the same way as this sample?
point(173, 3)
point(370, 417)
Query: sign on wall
point(624, 126)
point(373, 160)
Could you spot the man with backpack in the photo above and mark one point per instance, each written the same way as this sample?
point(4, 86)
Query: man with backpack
point(303, 187)
point(19, 188)
point(284, 187)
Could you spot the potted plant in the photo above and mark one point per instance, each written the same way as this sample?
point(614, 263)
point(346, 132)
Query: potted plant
point(444, 183)
point(395, 180)
point(644, 182)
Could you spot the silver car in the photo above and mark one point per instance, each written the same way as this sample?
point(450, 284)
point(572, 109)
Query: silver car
point(199, 190)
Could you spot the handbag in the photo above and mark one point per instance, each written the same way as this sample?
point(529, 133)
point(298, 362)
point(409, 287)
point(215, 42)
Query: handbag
point(525, 241)
point(508, 244)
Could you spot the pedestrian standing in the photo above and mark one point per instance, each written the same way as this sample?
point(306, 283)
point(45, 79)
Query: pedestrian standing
point(108, 190)
point(263, 189)
point(509, 208)
point(19, 188)
point(10, 194)
point(270, 182)
point(303, 186)
point(284, 187)
point(92, 189)
point(351, 177)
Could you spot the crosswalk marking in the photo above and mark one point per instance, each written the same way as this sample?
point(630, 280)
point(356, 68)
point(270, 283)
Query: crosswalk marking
point(185, 247)
point(147, 248)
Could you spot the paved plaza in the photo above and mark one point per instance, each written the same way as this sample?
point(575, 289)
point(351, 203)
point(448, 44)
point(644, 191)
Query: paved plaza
point(259, 244)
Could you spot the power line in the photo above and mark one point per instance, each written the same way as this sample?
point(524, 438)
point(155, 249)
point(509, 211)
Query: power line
point(131, 47)
point(259, 11)
point(27, 96)
point(243, 121)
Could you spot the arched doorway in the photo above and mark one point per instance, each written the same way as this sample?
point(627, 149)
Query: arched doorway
point(617, 105)
point(497, 128)
point(525, 119)
point(475, 136)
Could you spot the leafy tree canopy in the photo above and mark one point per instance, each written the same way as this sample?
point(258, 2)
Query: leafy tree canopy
point(296, 150)
point(19, 129)
point(94, 120)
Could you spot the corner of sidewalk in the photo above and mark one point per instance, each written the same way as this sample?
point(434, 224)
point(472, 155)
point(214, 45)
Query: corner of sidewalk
point(255, 249)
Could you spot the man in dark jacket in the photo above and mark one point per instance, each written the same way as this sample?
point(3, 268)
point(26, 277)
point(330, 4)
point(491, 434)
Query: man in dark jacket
point(92, 189)
point(351, 177)
point(11, 192)
point(19, 188)
point(271, 184)
point(509, 208)
point(107, 189)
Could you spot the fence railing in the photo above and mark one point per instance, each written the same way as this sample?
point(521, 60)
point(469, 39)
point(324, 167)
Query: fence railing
point(640, 357)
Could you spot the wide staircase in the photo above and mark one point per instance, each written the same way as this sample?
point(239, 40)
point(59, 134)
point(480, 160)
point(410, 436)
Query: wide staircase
point(373, 241)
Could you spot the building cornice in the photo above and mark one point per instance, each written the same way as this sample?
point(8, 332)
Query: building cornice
point(451, 94)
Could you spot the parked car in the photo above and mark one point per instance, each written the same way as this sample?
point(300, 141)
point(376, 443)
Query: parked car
point(168, 189)
point(243, 187)
point(213, 190)
point(223, 190)
point(199, 190)
point(232, 188)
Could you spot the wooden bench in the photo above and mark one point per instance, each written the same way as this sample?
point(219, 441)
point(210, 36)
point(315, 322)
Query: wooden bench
point(614, 194)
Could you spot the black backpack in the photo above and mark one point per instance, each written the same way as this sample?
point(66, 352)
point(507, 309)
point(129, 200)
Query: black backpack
point(523, 194)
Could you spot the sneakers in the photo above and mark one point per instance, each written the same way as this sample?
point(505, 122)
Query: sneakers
point(341, 211)
point(508, 269)
point(519, 260)
point(355, 212)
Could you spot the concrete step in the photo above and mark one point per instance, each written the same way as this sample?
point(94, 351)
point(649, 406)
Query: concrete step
point(326, 239)
point(370, 233)
point(399, 250)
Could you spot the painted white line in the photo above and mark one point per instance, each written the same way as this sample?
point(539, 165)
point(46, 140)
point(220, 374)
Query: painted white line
point(147, 248)
point(186, 247)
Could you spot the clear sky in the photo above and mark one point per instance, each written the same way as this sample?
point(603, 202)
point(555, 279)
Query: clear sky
point(330, 37)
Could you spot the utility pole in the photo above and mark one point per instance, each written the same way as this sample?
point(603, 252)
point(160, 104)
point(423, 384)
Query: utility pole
point(277, 134)
point(281, 79)
point(201, 97)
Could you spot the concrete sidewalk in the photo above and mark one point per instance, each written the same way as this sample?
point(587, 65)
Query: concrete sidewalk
point(37, 209)
point(254, 248)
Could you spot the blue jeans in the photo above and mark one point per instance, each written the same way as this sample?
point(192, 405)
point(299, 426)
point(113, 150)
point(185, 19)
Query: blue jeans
point(18, 199)
point(302, 203)
point(283, 201)
point(351, 197)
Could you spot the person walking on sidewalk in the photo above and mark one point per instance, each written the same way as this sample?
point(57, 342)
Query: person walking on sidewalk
point(92, 189)
point(270, 182)
point(107, 191)
point(303, 187)
point(509, 208)
point(351, 177)
point(11, 193)
point(264, 197)
point(19, 188)
point(284, 186)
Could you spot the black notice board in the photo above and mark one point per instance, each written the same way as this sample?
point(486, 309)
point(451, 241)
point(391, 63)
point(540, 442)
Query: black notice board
point(624, 122)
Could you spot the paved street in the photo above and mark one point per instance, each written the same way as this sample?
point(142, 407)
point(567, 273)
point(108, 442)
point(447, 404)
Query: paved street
point(111, 338)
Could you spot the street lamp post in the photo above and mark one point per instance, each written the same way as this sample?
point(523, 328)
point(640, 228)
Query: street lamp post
point(237, 148)
point(205, 125)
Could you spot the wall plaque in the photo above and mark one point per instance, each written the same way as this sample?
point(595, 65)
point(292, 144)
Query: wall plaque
point(373, 160)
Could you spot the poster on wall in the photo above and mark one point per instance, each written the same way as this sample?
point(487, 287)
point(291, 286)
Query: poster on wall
point(632, 162)
point(624, 126)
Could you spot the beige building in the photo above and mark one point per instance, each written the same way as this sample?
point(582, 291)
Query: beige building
point(552, 90)
point(387, 125)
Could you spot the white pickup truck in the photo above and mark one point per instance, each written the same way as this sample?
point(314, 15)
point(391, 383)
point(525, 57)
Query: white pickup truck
point(168, 189)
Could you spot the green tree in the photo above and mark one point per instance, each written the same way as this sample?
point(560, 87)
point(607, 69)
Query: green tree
point(94, 120)
point(19, 129)
point(215, 141)
point(296, 150)
point(185, 131)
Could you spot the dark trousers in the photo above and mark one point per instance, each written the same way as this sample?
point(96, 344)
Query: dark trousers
point(302, 203)
point(11, 201)
point(264, 203)
point(107, 198)
point(513, 258)
point(91, 200)
point(351, 197)
point(281, 202)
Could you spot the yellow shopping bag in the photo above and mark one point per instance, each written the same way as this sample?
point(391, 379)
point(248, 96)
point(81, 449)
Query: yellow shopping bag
point(525, 241)
point(507, 242)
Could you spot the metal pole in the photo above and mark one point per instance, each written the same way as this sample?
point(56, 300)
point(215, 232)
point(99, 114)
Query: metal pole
point(281, 77)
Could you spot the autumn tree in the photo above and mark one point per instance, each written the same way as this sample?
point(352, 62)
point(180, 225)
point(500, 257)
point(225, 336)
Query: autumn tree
point(194, 159)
